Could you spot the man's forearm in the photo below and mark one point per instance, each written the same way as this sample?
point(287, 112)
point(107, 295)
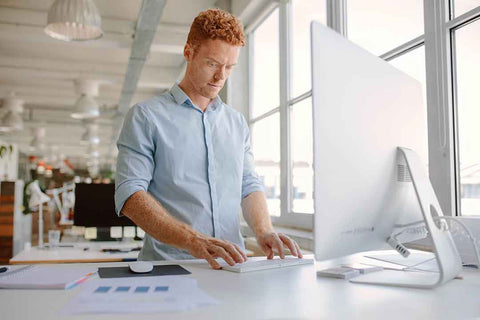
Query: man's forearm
point(255, 212)
point(154, 219)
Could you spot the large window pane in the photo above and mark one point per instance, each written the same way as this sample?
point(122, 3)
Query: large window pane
point(266, 151)
point(462, 6)
point(413, 64)
point(468, 99)
point(304, 12)
point(266, 71)
point(381, 25)
point(302, 156)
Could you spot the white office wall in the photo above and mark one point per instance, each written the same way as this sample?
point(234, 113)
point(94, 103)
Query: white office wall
point(22, 223)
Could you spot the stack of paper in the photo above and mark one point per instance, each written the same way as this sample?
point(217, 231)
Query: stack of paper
point(45, 277)
point(138, 295)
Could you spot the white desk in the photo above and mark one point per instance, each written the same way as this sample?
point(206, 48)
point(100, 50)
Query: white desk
point(290, 293)
point(78, 253)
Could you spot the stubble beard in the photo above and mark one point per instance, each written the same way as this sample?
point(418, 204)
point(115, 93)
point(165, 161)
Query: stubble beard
point(210, 93)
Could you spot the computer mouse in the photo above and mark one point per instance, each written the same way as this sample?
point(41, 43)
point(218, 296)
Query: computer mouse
point(141, 266)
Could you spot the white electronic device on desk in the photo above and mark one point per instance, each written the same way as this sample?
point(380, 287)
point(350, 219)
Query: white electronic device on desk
point(265, 264)
point(369, 128)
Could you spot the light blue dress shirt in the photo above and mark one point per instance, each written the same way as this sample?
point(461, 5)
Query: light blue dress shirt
point(198, 165)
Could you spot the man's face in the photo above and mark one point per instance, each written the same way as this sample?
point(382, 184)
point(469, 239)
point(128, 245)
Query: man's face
point(209, 66)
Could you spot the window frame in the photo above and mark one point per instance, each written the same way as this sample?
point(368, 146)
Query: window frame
point(442, 101)
point(451, 25)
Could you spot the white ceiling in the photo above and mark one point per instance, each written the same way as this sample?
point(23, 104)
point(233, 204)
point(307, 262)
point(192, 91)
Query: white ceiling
point(42, 71)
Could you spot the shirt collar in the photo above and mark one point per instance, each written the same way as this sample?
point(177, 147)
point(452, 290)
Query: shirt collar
point(217, 102)
point(178, 94)
point(182, 98)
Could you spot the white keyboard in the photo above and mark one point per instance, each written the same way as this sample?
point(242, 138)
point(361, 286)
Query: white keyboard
point(266, 264)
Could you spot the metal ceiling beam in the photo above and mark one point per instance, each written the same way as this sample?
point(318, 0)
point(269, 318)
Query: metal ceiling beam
point(147, 23)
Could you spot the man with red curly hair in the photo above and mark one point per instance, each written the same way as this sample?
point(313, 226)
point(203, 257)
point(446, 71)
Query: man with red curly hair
point(185, 166)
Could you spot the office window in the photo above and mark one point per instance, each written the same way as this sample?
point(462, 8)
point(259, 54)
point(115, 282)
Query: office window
point(413, 64)
point(381, 25)
point(265, 66)
point(266, 151)
point(461, 6)
point(302, 156)
point(467, 48)
point(393, 30)
point(304, 12)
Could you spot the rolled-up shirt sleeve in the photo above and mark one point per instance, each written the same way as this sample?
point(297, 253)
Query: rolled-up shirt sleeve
point(251, 182)
point(135, 161)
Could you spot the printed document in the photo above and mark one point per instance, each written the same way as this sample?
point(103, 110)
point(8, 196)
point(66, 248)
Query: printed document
point(138, 295)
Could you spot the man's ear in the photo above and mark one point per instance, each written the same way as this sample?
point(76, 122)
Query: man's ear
point(188, 52)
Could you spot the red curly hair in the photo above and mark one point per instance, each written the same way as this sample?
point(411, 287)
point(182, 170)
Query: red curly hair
point(216, 24)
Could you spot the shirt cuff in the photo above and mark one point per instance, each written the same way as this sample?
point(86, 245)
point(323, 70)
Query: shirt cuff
point(122, 193)
point(251, 188)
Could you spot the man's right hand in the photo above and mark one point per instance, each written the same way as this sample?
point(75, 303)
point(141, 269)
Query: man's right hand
point(209, 248)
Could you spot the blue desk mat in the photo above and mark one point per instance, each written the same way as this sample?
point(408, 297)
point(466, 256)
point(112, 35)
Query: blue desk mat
point(125, 272)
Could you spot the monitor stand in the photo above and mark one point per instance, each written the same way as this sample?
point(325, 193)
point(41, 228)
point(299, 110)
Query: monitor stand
point(447, 257)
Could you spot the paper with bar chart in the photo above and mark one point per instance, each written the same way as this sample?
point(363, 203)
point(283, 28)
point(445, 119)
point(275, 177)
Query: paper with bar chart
point(138, 295)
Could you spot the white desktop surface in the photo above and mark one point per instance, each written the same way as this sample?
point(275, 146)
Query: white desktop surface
point(289, 293)
point(77, 253)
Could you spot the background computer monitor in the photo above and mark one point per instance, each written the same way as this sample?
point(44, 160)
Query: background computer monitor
point(95, 206)
point(363, 108)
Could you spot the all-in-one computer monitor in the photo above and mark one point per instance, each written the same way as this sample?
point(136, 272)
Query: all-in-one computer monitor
point(363, 109)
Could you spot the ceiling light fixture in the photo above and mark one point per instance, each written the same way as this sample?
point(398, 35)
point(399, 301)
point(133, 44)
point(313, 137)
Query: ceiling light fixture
point(86, 107)
point(74, 20)
point(12, 121)
point(37, 145)
point(92, 151)
point(91, 134)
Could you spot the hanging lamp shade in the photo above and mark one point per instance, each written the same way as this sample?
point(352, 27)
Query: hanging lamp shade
point(92, 151)
point(85, 139)
point(12, 120)
point(89, 138)
point(37, 145)
point(91, 133)
point(74, 20)
point(86, 108)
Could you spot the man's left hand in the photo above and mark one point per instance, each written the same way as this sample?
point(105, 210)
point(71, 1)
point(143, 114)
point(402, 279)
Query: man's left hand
point(272, 241)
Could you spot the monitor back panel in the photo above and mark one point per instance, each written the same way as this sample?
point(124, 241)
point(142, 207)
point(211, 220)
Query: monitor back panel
point(363, 108)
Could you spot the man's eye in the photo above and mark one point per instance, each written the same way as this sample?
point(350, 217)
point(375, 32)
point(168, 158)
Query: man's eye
point(211, 64)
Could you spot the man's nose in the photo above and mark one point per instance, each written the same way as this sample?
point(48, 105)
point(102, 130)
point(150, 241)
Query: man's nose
point(220, 74)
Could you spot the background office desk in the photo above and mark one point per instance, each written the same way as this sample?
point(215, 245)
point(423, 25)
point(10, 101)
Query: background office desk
point(290, 293)
point(77, 253)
